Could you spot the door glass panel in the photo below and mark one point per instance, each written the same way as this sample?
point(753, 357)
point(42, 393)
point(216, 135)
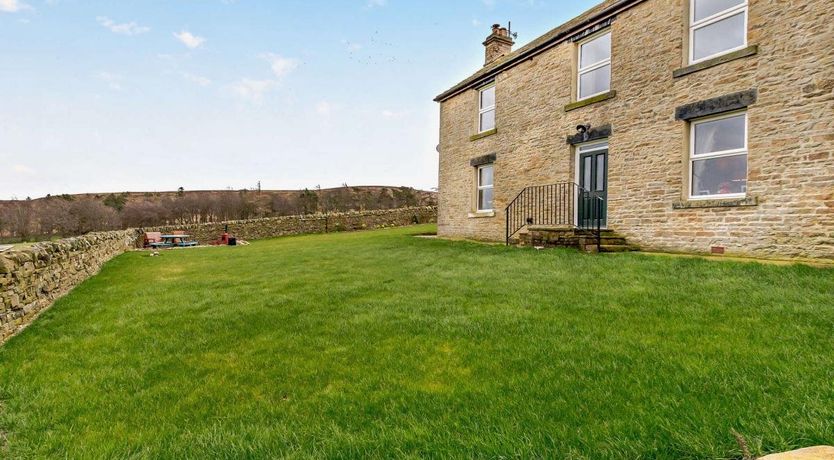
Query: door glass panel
point(719, 36)
point(719, 176)
point(600, 185)
point(586, 174)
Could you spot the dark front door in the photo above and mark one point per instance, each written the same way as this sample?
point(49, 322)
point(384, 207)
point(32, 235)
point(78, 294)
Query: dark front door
point(593, 193)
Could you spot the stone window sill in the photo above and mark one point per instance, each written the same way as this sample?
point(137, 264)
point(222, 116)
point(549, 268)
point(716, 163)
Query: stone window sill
point(483, 134)
point(481, 214)
point(742, 53)
point(718, 203)
point(590, 100)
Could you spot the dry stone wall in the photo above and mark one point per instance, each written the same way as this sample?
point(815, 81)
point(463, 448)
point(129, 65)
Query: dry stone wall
point(273, 227)
point(32, 278)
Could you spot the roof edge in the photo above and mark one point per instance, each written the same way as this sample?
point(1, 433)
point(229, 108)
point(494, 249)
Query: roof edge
point(522, 54)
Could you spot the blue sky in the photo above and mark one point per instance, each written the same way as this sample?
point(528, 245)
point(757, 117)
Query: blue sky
point(106, 96)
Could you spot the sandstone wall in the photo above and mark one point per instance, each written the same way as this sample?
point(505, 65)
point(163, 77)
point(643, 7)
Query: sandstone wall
point(273, 227)
point(32, 278)
point(791, 134)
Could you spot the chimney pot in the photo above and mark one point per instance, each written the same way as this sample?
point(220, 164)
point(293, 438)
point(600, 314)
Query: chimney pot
point(498, 44)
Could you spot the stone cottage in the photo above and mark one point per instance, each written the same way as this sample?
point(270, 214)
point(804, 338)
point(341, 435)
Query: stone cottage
point(682, 125)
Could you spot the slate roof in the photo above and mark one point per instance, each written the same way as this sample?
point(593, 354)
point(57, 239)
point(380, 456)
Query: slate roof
point(601, 12)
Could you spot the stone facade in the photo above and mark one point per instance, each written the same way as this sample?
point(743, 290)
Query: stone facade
point(32, 278)
point(784, 78)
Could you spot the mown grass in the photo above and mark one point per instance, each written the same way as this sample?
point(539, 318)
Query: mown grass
point(379, 344)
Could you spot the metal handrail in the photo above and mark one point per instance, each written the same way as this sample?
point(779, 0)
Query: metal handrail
point(554, 204)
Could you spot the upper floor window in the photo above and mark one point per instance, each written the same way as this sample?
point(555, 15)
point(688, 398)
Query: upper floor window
point(718, 156)
point(486, 112)
point(594, 66)
point(716, 27)
point(485, 187)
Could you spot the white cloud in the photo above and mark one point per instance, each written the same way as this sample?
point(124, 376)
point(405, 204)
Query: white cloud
point(127, 28)
point(114, 81)
point(325, 108)
point(23, 169)
point(393, 114)
point(190, 40)
point(13, 6)
point(253, 90)
point(281, 66)
point(196, 79)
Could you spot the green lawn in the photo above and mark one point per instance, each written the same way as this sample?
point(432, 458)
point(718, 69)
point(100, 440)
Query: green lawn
point(379, 344)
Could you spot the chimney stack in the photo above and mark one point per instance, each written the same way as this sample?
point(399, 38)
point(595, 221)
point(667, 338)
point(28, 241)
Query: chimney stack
point(498, 44)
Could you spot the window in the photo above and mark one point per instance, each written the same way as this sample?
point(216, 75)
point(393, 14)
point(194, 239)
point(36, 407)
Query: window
point(486, 114)
point(716, 27)
point(718, 157)
point(594, 67)
point(485, 188)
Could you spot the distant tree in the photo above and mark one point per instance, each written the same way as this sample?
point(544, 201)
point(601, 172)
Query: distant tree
point(90, 215)
point(53, 217)
point(308, 202)
point(282, 206)
point(144, 214)
point(19, 219)
point(385, 200)
point(116, 200)
point(180, 191)
point(404, 196)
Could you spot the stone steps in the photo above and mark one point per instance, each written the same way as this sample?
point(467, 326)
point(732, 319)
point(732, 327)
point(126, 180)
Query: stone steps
point(551, 236)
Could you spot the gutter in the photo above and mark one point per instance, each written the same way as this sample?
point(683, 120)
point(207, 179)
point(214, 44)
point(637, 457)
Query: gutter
point(557, 39)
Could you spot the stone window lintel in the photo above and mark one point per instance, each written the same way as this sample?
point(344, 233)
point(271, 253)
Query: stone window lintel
point(483, 160)
point(717, 105)
point(595, 133)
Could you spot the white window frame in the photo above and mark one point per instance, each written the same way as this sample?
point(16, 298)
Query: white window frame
point(724, 153)
point(581, 71)
point(717, 17)
point(483, 110)
point(484, 187)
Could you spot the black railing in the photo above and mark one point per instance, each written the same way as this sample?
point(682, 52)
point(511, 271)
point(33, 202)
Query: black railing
point(563, 204)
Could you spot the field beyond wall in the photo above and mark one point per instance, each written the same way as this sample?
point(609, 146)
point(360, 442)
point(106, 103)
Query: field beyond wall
point(380, 344)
